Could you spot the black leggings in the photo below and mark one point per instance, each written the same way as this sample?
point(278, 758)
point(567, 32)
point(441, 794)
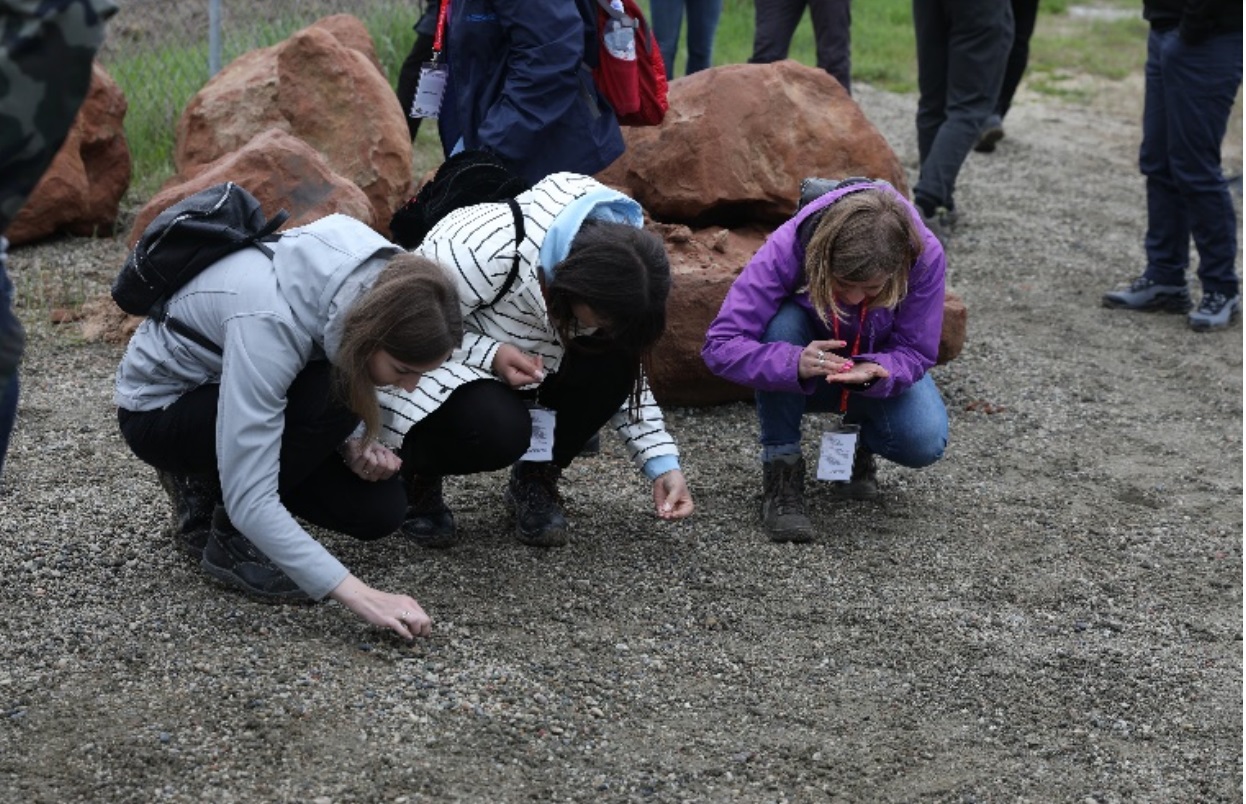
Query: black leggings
point(314, 482)
point(484, 425)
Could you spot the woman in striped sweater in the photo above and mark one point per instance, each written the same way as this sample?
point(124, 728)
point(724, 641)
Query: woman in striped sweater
point(560, 321)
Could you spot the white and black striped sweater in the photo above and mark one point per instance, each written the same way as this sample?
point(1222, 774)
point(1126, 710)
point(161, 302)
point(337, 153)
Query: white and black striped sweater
point(477, 245)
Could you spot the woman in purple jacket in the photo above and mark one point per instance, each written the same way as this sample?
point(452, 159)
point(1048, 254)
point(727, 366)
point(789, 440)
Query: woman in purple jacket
point(839, 311)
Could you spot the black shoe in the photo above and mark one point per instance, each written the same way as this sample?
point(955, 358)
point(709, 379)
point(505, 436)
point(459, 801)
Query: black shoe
point(194, 498)
point(863, 485)
point(532, 495)
point(783, 500)
point(230, 557)
point(992, 132)
point(430, 522)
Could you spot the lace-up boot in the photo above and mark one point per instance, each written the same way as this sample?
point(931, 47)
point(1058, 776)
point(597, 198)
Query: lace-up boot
point(231, 558)
point(194, 498)
point(532, 494)
point(783, 500)
point(1147, 294)
point(430, 522)
point(863, 485)
point(1215, 311)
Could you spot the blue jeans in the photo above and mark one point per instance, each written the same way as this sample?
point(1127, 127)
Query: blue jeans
point(12, 340)
point(910, 429)
point(1189, 97)
point(666, 17)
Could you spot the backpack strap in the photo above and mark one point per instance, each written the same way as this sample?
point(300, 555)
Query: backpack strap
point(268, 234)
point(519, 236)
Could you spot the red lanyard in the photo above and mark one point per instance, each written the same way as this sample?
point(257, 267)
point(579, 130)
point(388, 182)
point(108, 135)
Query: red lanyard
point(441, 27)
point(856, 347)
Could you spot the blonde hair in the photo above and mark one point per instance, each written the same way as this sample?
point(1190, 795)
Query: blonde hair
point(862, 236)
point(412, 312)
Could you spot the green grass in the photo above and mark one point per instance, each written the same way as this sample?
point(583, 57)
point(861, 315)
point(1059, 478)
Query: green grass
point(883, 55)
point(884, 49)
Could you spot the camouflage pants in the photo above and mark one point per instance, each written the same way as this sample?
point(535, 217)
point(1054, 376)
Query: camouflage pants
point(46, 48)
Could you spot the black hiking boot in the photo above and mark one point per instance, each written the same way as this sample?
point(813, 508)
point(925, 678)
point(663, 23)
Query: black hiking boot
point(863, 485)
point(231, 558)
point(430, 522)
point(532, 495)
point(194, 498)
point(783, 500)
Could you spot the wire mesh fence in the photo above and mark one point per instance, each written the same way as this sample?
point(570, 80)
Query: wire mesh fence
point(161, 52)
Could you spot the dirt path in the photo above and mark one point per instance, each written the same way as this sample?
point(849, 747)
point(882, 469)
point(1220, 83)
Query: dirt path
point(1051, 613)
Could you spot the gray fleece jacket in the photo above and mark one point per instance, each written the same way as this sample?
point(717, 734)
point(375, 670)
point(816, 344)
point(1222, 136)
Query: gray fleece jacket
point(271, 318)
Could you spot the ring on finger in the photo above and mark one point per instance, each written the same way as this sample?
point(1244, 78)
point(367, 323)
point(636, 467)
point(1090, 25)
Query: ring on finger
point(403, 615)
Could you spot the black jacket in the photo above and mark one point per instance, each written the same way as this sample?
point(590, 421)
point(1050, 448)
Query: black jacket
point(1198, 19)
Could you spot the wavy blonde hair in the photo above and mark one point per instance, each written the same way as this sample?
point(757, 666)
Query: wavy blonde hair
point(412, 312)
point(861, 237)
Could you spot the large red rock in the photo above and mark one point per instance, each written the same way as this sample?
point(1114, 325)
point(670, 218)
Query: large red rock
point(81, 190)
point(739, 138)
point(281, 171)
point(321, 85)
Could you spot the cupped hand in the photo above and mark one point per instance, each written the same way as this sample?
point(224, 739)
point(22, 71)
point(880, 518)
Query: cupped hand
point(371, 461)
point(399, 613)
point(516, 367)
point(671, 498)
point(859, 373)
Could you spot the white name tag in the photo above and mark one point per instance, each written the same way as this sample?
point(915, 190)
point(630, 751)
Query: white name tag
point(838, 448)
point(430, 90)
point(541, 447)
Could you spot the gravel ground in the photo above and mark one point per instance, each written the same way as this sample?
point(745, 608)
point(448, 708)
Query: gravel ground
point(1051, 613)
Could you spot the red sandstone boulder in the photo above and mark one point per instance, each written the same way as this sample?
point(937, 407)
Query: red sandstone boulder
point(739, 138)
point(81, 190)
point(321, 85)
point(281, 171)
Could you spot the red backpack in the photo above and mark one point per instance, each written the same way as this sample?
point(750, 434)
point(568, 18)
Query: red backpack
point(635, 87)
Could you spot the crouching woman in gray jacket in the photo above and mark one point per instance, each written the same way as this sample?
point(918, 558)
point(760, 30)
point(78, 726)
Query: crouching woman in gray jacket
point(280, 423)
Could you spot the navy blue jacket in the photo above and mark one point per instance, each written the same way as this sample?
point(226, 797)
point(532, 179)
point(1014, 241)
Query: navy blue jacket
point(519, 87)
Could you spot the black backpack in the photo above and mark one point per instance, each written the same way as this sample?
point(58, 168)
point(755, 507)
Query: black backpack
point(183, 240)
point(465, 179)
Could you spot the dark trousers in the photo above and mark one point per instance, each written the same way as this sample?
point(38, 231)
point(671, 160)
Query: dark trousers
point(12, 343)
point(314, 482)
point(962, 46)
point(1189, 97)
point(484, 425)
point(775, 21)
point(1024, 15)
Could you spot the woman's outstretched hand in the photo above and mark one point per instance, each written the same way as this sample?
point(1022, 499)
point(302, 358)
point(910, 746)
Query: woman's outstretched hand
point(671, 497)
point(399, 613)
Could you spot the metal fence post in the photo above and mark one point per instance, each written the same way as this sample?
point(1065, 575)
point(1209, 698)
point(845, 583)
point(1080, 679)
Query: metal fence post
point(214, 37)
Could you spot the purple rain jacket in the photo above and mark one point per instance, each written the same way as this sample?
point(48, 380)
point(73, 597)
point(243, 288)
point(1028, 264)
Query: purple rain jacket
point(904, 340)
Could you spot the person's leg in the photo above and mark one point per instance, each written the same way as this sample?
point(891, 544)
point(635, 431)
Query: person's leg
point(979, 36)
point(592, 383)
point(12, 343)
point(832, 32)
point(481, 427)
point(1024, 16)
point(1168, 222)
point(1200, 85)
point(666, 17)
point(702, 25)
point(774, 23)
point(930, 30)
point(910, 429)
